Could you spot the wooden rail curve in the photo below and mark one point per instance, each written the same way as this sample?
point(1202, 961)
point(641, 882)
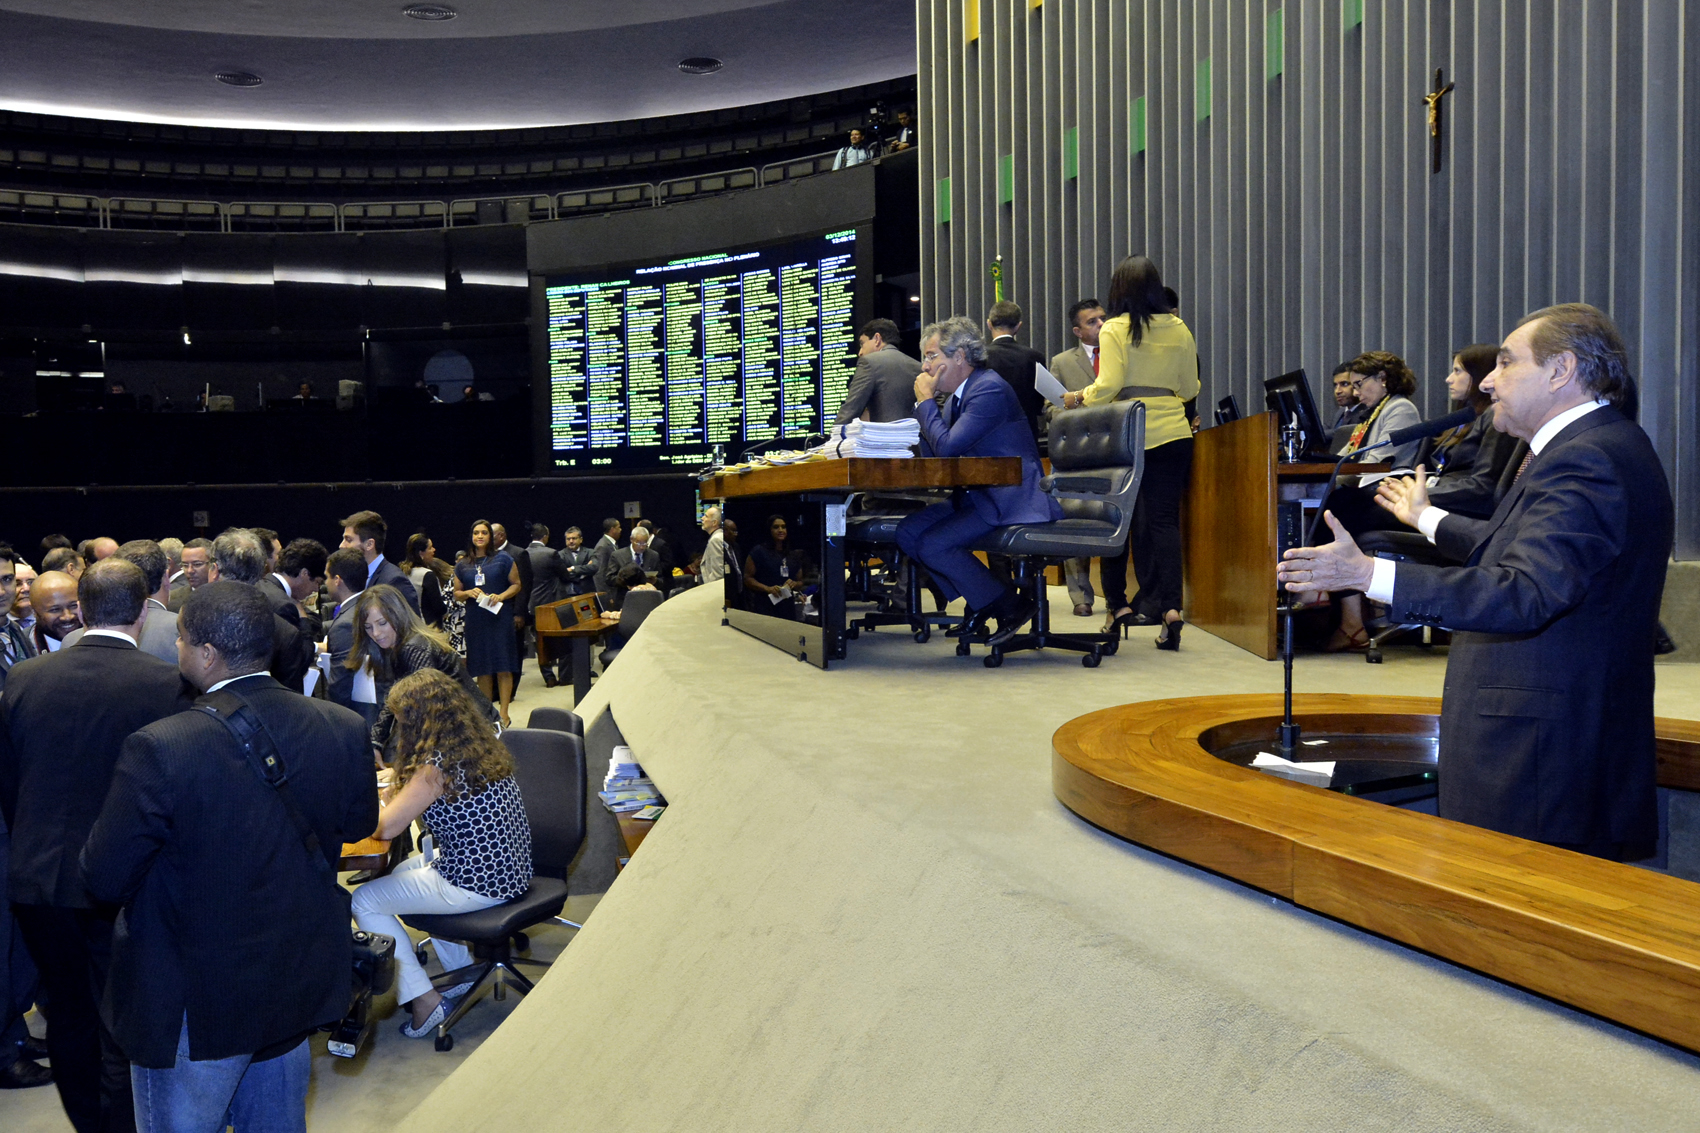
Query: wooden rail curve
point(1611, 939)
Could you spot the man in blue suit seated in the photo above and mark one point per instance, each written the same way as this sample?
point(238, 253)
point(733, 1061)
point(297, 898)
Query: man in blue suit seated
point(981, 417)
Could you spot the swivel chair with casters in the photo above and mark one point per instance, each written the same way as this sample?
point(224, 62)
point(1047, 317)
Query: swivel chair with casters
point(638, 605)
point(556, 720)
point(874, 532)
point(1400, 546)
point(549, 767)
point(1097, 462)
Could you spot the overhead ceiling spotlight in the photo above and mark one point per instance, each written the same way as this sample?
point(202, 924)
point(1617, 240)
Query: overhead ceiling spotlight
point(700, 65)
point(238, 78)
point(431, 12)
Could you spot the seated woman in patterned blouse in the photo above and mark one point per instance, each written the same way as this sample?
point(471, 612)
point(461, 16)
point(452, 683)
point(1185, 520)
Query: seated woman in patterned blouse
point(455, 775)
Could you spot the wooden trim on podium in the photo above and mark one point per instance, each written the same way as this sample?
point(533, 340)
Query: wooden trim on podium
point(1228, 528)
point(1611, 939)
point(865, 475)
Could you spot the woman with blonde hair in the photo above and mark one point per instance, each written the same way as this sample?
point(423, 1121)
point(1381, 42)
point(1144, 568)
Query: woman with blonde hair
point(393, 640)
point(454, 775)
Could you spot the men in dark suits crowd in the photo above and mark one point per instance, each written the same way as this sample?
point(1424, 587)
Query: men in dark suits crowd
point(602, 552)
point(981, 417)
point(159, 632)
point(345, 577)
point(215, 1022)
point(1546, 727)
point(63, 718)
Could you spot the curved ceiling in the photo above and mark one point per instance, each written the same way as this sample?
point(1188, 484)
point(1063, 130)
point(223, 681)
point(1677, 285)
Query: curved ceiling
point(363, 65)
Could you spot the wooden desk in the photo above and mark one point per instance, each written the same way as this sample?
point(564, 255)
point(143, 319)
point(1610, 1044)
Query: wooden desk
point(1228, 528)
point(863, 475)
point(827, 482)
point(1608, 938)
point(550, 628)
point(632, 833)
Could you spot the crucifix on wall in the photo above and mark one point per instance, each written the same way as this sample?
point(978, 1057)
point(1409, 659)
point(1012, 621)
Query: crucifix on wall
point(1436, 116)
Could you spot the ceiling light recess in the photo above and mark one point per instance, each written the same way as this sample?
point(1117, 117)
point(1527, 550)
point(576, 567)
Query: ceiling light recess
point(429, 12)
point(238, 78)
point(700, 65)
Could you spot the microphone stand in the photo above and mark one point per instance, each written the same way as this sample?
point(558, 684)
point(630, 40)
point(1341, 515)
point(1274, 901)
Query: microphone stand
point(1287, 733)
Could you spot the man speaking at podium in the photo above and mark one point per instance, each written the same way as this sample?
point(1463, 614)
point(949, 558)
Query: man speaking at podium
point(1546, 728)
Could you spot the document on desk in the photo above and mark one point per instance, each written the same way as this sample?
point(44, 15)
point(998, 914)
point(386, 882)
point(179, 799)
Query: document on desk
point(1049, 388)
point(1317, 772)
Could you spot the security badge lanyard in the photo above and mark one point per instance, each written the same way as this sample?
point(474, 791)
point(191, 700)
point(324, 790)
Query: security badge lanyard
point(478, 579)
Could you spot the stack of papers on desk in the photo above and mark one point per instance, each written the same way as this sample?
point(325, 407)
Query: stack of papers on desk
point(625, 787)
point(880, 439)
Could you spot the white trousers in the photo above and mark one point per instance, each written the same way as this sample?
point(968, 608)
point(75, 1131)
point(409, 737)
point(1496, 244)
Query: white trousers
point(414, 887)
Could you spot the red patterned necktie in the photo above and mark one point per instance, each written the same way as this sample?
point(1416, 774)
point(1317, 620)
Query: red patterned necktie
point(1095, 356)
point(1524, 467)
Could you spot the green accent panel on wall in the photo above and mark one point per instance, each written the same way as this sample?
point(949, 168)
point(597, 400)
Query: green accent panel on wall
point(1006, 179)
point(1351, 14)
point(1201, 90)
point(943, 209)
point(1136, 124)
point(1071, 153)
point(1275, 44)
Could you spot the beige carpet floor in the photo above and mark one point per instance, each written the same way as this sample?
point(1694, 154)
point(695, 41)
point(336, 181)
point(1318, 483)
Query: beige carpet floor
point(864, 909)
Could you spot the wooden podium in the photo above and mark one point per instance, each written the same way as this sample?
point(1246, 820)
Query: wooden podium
point(578, 620)
point(1228, 528)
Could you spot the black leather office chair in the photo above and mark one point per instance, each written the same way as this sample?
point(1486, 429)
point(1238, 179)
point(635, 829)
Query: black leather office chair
point(637, 606)
point(1400, 546)
point(874, 532)
point(556, 720)
point(1097, 461)
point(549, 767)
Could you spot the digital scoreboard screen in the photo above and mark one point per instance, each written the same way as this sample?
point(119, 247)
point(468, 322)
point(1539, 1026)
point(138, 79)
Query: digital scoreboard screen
point(655, 365)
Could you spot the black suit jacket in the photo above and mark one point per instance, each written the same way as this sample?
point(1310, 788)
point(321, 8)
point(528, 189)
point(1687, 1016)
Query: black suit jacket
point(296, 647)
point(543, 568)
point(1015, 364)
point(22, 647)
point(388, 574)
point(578, 571)
point(1546, 729)
point(520, 605)
point(63, 718)
point(621, 559)
point(225, 916)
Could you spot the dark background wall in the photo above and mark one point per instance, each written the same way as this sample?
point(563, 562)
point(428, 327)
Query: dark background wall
point(1282, 178)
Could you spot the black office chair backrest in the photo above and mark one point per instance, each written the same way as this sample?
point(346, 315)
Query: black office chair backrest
point(639, 604)
point(1097, 461)
point(556, 720)
point(549, 767)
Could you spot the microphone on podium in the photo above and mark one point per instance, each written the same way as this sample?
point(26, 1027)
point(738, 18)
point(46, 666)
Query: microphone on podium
point(1417, 432)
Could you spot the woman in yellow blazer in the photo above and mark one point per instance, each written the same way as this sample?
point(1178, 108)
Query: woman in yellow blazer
point(1147, 352)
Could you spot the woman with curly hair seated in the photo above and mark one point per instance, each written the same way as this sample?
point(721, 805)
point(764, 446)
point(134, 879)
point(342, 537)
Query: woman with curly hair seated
point(458, 778)
point(391, 638)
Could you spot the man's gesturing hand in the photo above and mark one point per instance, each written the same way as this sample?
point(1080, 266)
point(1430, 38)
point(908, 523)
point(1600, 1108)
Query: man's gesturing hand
point(1336, 566)
point(1405, 497)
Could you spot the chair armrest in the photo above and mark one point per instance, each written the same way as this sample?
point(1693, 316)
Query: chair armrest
point(1077, 485)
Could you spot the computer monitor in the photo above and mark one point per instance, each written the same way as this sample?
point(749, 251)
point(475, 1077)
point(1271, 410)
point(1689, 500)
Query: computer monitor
point(1288, 397)
point(1228, 409)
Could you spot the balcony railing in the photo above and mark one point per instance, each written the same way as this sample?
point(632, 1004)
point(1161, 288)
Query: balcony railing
point(179, 215)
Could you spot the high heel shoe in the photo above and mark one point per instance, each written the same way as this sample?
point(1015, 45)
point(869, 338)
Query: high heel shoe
point(1126, 622)
point(1171, 639)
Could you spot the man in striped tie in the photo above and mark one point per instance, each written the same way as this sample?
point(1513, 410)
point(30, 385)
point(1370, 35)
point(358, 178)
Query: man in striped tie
point(1546, 728)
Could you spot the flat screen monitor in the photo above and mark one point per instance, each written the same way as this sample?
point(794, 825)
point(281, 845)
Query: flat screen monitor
point(1228, 409)
point(654, 365)
point(1288, 397)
